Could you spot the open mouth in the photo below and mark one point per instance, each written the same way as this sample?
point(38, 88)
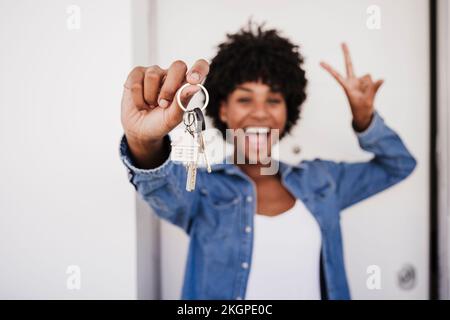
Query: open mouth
point(257, 137)
point(257, 130)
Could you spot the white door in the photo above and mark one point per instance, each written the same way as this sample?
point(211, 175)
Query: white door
point(67, 228)
point(390, 230)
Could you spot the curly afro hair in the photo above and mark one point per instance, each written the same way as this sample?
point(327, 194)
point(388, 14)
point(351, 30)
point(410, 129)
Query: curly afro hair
point(257, 55)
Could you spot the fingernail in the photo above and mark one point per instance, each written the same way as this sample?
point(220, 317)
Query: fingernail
point(194, 76)
point(163, 103)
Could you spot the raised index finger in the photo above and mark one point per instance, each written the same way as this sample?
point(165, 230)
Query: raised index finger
point(198, 71)
point(334, 73)
point(348, 61)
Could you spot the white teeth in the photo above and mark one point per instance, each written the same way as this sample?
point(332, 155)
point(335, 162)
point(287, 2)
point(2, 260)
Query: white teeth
point(257, 130)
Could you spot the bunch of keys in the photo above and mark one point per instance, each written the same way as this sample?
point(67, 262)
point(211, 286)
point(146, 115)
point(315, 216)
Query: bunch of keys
point(192, 146)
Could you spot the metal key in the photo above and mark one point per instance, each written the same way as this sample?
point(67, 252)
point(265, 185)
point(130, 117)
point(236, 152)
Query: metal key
point(188, 153)
point(185, 148)
point(191, 126)
point(199, 128)
point(191, 176)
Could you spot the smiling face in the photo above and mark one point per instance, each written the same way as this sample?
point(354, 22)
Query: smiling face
point(256, 109)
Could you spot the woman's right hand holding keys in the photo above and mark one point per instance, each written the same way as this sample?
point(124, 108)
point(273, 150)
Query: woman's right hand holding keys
point(150, 110)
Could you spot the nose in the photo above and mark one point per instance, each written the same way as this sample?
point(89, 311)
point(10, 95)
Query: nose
point(259, 111)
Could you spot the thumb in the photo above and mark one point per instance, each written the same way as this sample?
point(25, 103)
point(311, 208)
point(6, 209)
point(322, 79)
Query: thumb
point(377, 85)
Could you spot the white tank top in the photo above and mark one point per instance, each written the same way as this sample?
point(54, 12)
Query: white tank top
point(286, 256)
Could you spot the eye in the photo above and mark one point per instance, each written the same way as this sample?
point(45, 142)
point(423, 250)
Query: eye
point(274, 101)
point(244, 100)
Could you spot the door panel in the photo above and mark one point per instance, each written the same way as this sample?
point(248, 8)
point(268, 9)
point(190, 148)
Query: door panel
point(390, 230)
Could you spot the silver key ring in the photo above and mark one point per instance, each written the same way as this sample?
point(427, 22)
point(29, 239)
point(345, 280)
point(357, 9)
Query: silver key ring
point(188, 84)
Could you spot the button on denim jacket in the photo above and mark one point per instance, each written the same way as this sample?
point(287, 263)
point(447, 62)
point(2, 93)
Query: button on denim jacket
point(218, 214)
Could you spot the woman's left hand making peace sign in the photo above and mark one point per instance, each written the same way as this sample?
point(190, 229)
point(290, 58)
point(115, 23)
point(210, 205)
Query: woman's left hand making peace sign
point(360, 91)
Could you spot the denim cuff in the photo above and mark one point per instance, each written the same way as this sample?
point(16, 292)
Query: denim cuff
point(373, 132)
point(125, 155)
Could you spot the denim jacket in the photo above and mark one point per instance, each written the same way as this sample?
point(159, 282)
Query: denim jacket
point(218, 214)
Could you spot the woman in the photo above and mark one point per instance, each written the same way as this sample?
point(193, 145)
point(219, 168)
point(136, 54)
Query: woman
point(256, 82)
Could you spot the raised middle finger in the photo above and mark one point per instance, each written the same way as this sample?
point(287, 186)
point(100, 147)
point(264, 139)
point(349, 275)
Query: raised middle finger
point(348, 61)
point(176, 76)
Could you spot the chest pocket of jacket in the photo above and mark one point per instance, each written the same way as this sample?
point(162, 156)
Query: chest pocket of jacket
point(322, 191)
point(322, 185)
point(220, 212)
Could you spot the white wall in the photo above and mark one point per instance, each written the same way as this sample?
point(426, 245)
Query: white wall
point(64, 195)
